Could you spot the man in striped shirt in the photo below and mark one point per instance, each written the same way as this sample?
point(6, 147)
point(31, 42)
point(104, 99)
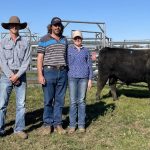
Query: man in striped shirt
point(52, 75)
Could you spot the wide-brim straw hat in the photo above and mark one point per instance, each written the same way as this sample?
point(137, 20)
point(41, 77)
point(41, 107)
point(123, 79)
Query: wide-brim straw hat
point(14, 20)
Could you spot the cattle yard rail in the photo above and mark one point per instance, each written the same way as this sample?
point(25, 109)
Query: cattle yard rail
point(100, 25)
point(131, 43)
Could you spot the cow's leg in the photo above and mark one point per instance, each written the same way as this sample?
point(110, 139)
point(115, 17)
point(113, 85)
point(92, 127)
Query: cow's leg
point(100, 85)
point(112, 84)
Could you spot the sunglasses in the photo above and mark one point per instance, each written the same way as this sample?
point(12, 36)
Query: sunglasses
point(77, 38)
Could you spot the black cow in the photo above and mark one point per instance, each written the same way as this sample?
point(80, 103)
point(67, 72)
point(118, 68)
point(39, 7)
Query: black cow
point(127, 65)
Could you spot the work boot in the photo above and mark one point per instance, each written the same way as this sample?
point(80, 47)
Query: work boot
point(82, 130)
point(21, 134)
point(44, 130)
point(59, 129)
point(71, 130)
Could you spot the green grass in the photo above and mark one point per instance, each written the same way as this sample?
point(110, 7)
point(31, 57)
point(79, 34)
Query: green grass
point(111, 125)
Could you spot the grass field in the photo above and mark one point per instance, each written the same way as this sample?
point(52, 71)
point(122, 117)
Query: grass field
point(111, 125)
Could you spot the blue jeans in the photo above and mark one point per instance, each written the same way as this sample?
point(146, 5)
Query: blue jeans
point(77, 91)
point(54, 95)
point(6, 87)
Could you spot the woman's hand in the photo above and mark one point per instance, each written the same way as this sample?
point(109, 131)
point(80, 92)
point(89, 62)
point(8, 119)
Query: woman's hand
point(89, 84)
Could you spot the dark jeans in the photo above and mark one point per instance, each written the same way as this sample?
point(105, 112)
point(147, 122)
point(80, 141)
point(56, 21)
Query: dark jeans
point(54, 95)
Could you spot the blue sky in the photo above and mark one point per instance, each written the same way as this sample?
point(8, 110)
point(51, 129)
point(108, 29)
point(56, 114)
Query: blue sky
point(125, 19)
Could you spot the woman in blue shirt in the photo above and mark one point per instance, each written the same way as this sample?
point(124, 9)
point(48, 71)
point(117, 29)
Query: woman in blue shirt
point(79, 78)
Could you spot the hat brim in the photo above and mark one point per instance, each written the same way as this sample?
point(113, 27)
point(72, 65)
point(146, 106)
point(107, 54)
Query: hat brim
point(57, 22)
point(7, 25)
point(77, 36)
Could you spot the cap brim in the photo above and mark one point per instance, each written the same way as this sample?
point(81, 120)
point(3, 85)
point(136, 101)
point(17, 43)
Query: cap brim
point(7, 25)
point(56, 23)
point(77, 36)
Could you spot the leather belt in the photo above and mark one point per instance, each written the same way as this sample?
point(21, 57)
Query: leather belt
point(15, 71)
point(55, 67)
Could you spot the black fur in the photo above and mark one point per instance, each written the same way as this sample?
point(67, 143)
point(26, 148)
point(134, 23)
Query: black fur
point(127, 65)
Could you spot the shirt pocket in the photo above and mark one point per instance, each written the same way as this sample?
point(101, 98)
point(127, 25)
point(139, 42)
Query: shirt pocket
point(71, 58)
point(8, 51)
point(21, 52)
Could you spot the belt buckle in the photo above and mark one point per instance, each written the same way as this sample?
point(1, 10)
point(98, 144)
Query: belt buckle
point(48, 67)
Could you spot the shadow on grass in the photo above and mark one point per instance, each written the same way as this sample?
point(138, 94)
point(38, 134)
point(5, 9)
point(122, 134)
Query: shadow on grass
point(33, 121)
point(134, 93)
point(142, 93)
point(34, 118)
point(65, 121)
point(93, 111)
point(9, 127)
point(96, 110)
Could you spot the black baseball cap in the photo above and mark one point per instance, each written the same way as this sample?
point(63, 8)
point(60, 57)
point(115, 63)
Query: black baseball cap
point(56, 20)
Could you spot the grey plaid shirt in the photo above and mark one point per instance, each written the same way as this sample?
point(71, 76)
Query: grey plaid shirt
point(14, 56)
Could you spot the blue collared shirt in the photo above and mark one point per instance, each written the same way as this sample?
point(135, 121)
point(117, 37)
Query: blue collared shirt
point(14, 56)
point(79, 62)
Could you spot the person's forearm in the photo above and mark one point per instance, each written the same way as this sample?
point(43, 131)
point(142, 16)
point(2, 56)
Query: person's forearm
point(40, 64)
point(25, 64)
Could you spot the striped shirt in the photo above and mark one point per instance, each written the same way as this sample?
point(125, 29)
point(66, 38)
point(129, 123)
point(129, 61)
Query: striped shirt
point(54, 51)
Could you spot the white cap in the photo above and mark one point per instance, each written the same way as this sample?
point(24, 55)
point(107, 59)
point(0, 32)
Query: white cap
point(77, 33)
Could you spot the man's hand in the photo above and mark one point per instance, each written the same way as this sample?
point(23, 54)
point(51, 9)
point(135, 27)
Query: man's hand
point(14, 78)
point(17, 82)
point(41, 79)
